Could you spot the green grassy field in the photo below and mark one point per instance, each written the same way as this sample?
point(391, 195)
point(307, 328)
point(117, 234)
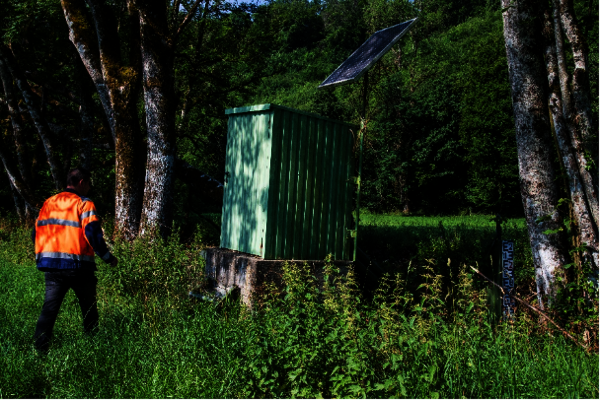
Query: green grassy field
point(330, 342)
point(398, 239)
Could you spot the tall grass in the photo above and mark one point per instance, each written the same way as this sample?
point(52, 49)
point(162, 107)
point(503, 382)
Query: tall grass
point(144, 349)
point(309, 340)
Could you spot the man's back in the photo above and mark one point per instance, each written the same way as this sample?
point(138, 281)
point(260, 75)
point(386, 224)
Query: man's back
point(67, 231)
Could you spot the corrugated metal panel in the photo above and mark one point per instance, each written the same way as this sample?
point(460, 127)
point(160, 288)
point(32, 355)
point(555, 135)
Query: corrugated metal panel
point(288, 195)
point(245, 197)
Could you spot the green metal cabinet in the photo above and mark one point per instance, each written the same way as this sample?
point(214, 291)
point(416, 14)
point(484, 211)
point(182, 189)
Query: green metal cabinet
point(288, 184)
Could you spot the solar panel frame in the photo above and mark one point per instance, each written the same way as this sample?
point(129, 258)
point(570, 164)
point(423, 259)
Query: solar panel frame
point(346, 65)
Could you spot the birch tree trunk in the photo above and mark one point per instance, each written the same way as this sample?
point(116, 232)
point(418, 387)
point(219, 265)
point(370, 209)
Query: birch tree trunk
point(581, 84)
point(587, 231)
point(563, 73)
point(158, 82)
point(588, 178)
point(522, 35)
point(39, 121)
point(118, 85)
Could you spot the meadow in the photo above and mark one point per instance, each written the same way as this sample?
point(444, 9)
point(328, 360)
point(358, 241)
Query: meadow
point(409, 337)
point(395, 240)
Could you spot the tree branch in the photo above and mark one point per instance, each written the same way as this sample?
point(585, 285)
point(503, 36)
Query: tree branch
point(537, 310)
point(188, 18)
point(81, 34)
point(108, 39)
point(16, 119)
point(86, 116)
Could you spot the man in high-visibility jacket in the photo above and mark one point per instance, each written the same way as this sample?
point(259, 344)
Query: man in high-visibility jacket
point(67, 234)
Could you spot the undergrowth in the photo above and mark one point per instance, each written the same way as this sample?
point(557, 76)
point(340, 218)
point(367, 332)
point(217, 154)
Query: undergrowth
point(315, 337)
point(328, 342)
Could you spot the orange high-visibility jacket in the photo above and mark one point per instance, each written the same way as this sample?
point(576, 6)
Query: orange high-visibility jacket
point(68, 233)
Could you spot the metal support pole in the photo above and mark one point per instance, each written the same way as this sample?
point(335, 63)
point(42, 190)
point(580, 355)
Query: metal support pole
point(361, 135)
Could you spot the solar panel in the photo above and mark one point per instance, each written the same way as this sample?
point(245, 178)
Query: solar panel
point(366, 55)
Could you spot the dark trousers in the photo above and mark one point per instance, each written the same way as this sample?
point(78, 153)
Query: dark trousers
point(57, 285)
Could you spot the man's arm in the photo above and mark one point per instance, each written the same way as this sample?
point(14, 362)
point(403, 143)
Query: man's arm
point(93, 233)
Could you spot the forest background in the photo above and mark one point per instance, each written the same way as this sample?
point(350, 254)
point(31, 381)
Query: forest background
point(138, 96)
point(440, 135)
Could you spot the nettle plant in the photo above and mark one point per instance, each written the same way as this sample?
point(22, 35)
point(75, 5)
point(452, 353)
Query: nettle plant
point(321, 338)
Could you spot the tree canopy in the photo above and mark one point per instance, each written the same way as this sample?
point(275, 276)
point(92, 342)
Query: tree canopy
point(440, 136)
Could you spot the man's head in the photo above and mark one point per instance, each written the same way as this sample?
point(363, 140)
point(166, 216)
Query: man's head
point(79, 180)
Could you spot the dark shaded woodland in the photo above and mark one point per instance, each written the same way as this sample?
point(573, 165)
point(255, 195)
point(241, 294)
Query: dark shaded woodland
point(440, 139)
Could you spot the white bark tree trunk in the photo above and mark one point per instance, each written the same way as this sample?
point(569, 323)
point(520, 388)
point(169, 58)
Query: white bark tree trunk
point(19, 204)
point(15, 117)
point(158, 83)
point(569, 113)
point(587, 231)
point(15, 179)
point(97, 42)
point(581, 84)
point(522, 34)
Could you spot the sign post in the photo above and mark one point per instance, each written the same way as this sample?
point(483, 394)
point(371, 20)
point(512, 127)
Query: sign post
point(508, 278)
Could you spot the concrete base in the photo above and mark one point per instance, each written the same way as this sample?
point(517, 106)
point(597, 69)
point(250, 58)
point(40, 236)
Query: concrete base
point(229, 268)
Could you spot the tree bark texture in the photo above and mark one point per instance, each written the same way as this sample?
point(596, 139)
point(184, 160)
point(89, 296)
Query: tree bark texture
point(39, 121)
point(581, 211)
point(581, 84)
point(118, 86)
point(158, 82)
point(82, 35)
point(522, 35)
point(574, 118)
point(563, 73)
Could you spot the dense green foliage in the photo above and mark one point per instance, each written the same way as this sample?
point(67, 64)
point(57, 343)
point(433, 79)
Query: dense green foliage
point(312, 342)
point(439, 111)
point(440, 136)
point(319, 335)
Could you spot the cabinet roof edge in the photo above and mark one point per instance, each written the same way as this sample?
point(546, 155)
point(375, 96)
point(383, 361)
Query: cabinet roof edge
point(264, 107)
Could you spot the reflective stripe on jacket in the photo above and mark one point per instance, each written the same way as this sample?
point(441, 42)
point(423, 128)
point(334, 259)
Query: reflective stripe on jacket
point(68, 233)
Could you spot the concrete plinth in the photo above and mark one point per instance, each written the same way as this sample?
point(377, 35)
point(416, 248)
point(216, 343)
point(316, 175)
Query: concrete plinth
point(229, 268)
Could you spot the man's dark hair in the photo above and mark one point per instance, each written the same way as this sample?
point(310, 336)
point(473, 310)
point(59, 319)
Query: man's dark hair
point(77, 174)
